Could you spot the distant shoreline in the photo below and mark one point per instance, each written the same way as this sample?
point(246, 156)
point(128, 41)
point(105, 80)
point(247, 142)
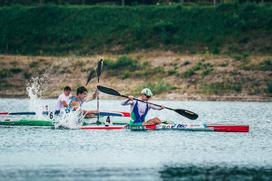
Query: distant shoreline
point(171, 76)
point(190, 98)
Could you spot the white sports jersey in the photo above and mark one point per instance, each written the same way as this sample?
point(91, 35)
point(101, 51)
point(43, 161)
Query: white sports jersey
point(62, 98)
point(141, 106)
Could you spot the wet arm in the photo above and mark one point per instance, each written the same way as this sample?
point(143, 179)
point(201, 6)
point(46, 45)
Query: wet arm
point(155, 107)
point(92, 97)
point(75, 105)
point(127, 102)
point(65, 104)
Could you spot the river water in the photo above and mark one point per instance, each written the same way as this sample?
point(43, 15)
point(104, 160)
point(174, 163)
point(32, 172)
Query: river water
point(28, 153)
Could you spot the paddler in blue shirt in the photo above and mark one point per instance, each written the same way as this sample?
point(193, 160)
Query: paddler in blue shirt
point(139, 109)
point(77, 101)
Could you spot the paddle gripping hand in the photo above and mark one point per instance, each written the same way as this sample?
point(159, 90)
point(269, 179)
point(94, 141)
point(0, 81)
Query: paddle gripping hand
point(130, 98)
point(188, 114)
point(95, 94)
point(162, 107)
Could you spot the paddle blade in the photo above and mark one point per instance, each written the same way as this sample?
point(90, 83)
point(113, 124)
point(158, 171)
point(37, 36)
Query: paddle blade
point(90, 76)
point(187, 114)
point(107, 90)
point(99, 68)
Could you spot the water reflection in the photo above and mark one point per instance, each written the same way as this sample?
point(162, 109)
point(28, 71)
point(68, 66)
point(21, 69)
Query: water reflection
point(216, 172)
point(181, 172)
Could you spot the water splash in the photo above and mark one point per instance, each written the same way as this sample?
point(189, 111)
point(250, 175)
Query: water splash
point(71, 120)
point(34, 90)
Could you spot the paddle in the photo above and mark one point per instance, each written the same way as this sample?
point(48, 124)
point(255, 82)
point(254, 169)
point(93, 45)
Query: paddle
point(90, 76)
point(99, 69)
point(98, 72)
point(17, 113)
point(183, 112)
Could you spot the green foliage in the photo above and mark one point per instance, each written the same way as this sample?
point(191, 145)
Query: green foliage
point(220, 87)
point(255, 91)
point(27, 75)
point(125, 75)
point(206, 72)
point(237, 87)
point(33, 64)
point(240, 57)
point(126, 67)
point(265, 65)
point(188, 73)
point(197, 66)
point(15, 70)
point(164, 30)
point(269, 87)
point(187, 62)
point(51, 29)
point(213, 88)
point(13, 63)
point(237, 57)
point(172, 72)
point(5, 85)
point(225, 64)
point(205, 67)
point(123, 62)
point(5, 73)
point(154, 71)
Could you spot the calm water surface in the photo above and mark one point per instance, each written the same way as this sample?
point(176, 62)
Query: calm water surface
point(55, 154)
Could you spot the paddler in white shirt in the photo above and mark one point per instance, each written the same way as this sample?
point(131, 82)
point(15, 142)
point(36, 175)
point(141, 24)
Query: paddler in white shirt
point(63, 99)
point(139, 109)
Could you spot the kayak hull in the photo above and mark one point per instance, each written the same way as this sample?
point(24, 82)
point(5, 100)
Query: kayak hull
point(179, 127)
point(229, 128)
point(103, 127)
point(118, 121)
point(27, 118)
point(35, 122)
point(25, 122)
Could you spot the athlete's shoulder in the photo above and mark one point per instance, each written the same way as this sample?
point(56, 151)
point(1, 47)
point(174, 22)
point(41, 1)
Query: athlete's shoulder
point(73, 98)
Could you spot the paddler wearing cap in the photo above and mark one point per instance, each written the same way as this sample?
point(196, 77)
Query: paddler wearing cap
point(139, 109)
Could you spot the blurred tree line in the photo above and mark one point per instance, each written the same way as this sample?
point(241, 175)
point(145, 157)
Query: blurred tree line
point(125, 2)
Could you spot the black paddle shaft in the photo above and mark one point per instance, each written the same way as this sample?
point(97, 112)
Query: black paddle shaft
point(98, 73)
point(186, 113)
point(183, 112)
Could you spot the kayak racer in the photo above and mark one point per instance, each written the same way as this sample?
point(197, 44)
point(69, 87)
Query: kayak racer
point(77, 101)
point(63, 100)
point(139, 109)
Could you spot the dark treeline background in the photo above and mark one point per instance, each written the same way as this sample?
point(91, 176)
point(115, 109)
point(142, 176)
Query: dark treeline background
point(53, 29)
point(125, 2)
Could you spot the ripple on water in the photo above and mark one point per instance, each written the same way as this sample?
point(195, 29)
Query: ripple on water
point(54, 154)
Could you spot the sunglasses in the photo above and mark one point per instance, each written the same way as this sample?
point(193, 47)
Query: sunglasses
point(147, 96)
